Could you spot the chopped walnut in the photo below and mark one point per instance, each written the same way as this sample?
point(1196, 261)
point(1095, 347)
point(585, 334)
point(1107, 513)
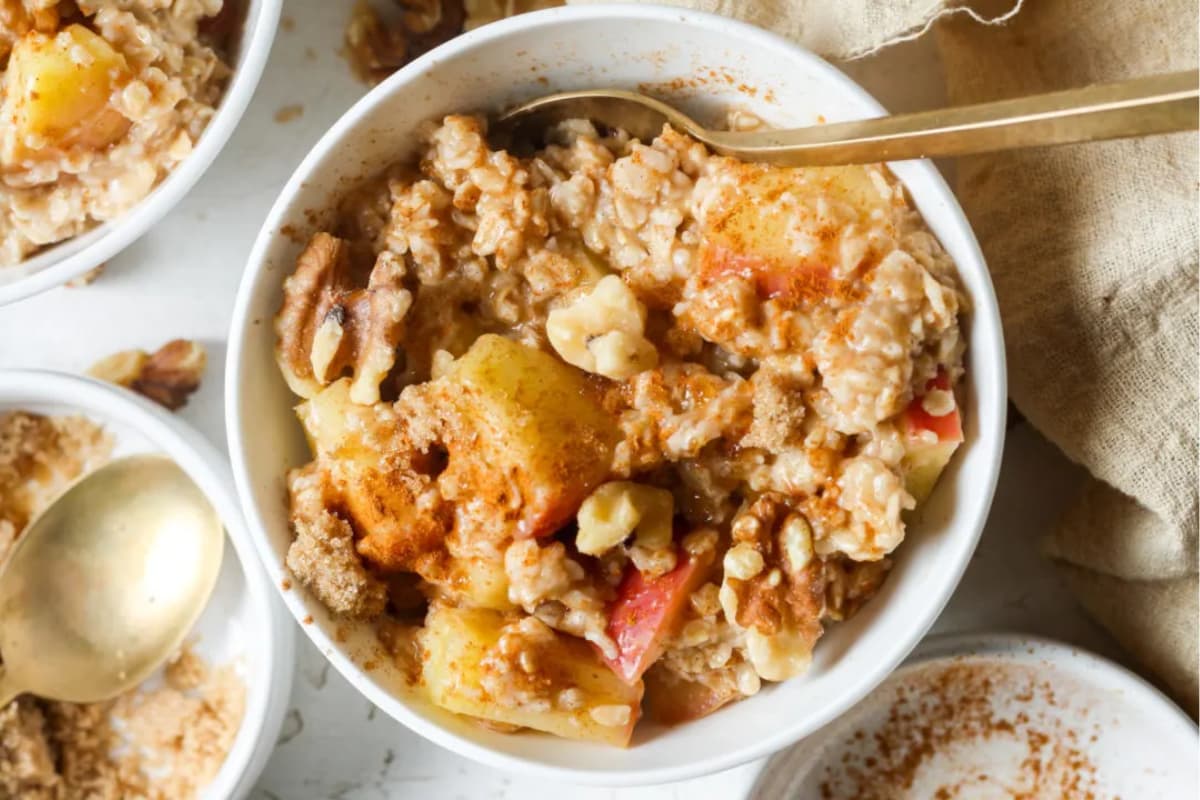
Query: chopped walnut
point(602, 331)
point(327, 326)
point(481, 12)
point(773, 588)
point(168, 376)
point(377, 44)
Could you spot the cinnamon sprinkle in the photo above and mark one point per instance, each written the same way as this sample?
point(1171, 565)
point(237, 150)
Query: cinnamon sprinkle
point(945, 711)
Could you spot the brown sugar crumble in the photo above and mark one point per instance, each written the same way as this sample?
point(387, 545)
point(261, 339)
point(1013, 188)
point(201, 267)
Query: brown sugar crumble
point(944, 709)
point(165, 743)
point(161, 743)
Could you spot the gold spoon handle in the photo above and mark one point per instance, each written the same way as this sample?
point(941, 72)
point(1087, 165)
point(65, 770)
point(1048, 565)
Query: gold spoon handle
point(1138, 107)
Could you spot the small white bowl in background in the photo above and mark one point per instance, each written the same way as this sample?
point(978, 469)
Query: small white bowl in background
point(59, 263)
point(1056, 717)
point(705, 64)
point(243, 623)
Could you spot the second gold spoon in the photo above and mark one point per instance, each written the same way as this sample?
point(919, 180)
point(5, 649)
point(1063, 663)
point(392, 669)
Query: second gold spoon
point(105, 584)
point(1137, 107)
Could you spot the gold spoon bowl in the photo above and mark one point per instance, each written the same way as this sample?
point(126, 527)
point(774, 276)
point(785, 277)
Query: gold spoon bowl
point(1138, 107)
point(105, 584)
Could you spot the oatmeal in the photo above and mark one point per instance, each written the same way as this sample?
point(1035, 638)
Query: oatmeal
point(102, 99)
point(163, 743)
point(659, 413)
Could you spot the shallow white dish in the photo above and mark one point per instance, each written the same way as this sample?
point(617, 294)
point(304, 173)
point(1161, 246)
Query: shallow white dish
point(69, 259)
point(706, 64)
point(1118, 735)
point(243, 622)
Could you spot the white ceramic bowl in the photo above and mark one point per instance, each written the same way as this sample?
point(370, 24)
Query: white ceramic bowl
point(243, 622)
point(71, 258)
point(626, 46)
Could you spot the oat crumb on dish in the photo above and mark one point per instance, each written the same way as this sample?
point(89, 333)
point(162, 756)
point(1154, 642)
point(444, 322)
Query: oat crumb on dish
point(622, 423)
point(161, 742)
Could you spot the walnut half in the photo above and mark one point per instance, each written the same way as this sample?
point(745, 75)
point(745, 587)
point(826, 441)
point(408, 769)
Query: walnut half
point(327, 326)
point(168, 376)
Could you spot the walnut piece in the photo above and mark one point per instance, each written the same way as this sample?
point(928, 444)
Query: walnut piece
point(379, 44)
point(168, 376)
point(481, 12)
point(327, 326)
point(773, 588)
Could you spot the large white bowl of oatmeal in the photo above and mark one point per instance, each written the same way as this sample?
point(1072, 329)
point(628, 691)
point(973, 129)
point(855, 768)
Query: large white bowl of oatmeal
point(111, 112)
point(204, 726)
point(614, 461)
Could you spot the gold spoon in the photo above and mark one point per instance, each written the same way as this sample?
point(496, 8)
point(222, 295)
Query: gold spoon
point(105, 584)
point(1138, 107)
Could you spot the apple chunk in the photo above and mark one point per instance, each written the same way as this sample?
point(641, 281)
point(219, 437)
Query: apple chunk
point(766, 228)
point(647, 611)
point(531, 440)
point(465, 670)
point(672, 699)
point(932, 431)
point(58, 92)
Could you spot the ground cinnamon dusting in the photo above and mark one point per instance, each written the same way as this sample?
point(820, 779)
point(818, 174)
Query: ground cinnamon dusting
point(954, 707)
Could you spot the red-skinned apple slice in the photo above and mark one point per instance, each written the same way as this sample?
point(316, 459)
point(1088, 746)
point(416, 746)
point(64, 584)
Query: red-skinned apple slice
point(752, 228)
point(646, 612)
point(930, 438)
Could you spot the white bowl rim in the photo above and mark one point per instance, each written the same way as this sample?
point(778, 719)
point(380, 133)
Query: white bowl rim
point(1022, 647)
point(115, 235)
point(984, 306)
point(204, 465)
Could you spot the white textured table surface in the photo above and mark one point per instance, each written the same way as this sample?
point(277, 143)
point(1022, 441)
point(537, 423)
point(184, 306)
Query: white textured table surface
point(180, 281)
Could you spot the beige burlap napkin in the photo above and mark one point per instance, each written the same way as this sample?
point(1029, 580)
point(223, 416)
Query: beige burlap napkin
point(1093, 250)
point(841, 29)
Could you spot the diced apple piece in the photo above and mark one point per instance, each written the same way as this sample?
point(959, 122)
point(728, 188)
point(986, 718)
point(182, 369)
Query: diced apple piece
point(932, 431)
point(59, 90)
point(385, 486)
point(647, 611)
point(752, 230)
point(479, 582)
point(672, 699)
point(568, 693)
point(532, 440)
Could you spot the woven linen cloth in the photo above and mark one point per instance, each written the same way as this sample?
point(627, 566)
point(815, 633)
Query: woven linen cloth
point(1093, 250)
point(839, 29)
